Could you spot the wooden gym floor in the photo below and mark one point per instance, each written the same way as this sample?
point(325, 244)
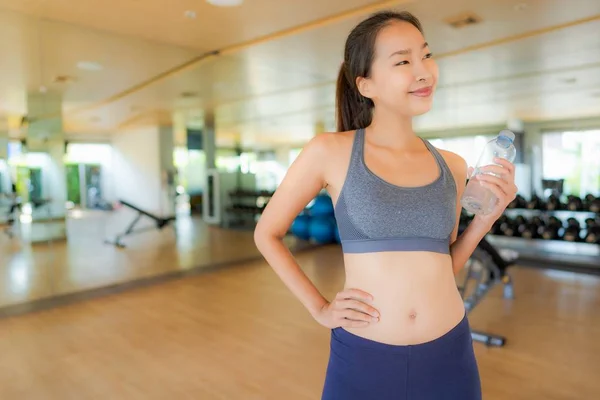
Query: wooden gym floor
point(237, 333)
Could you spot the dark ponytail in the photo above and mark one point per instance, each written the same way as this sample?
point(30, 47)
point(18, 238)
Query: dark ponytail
point(353, 110)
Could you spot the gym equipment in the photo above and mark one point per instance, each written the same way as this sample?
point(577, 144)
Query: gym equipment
point(552, 230)
point(300, 226)
point(536, 203)
point(518, 202)
point(593, 235)
point(322, 206)
point(509, 227)
point(574, 203)
point(486, 268)
point(322, 229)
point(592, 203)
point(553, 203)
point(160, 224)
point(337, 234)
point(573, 231)
point(231, 199)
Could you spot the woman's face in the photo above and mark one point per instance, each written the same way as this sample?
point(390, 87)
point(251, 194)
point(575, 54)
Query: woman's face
point(403, 74)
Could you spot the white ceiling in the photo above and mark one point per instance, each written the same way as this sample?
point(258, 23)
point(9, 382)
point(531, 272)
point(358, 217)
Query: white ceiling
point(537, 62)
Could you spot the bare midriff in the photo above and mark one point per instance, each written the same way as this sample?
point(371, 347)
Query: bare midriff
point(414, 292)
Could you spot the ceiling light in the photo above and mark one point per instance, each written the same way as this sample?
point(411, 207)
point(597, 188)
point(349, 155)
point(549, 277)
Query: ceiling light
point(89, 65)
point(187, 95)
point(63, 79)
point(462, 20)
point(190, 14)
point(225, 3)
point(520, 6)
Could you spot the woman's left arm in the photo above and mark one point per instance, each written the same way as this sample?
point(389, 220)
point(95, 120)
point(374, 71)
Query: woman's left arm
point(503, 186)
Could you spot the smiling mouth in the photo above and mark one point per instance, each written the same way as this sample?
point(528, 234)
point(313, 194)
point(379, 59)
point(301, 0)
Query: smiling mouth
point(423, 92)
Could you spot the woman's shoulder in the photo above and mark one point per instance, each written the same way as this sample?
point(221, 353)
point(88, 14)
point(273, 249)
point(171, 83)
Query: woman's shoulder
point(457, 164)
point(329, 143)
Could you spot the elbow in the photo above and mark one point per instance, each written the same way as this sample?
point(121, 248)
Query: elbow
point(263, 235)
point(259, 235)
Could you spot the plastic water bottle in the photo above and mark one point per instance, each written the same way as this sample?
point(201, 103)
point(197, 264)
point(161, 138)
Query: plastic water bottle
point(478, 199)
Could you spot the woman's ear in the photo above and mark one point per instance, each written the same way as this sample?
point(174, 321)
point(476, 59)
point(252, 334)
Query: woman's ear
point(364, 86)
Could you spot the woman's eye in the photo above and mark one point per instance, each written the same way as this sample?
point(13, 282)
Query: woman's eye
point(402, 63)
point(428, 55)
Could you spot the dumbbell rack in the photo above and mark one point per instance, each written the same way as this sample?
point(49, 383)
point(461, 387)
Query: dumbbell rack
point(244, 207)
point(561, 254)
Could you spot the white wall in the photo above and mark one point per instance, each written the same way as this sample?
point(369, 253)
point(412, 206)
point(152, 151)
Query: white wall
point(139, 174)
point(136, 158)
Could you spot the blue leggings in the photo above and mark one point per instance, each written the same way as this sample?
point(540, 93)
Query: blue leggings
point(364, 369)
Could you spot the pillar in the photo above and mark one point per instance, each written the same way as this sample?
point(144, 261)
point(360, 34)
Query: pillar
point(5, 180)
point(45, 150)
point(45, 147)
point(524, 160)
point(168, 172)
point(213, 193)
point(208, 139)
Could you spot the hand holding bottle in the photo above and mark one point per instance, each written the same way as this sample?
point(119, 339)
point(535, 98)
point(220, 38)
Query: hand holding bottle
point(492, 184)
point(500, 181)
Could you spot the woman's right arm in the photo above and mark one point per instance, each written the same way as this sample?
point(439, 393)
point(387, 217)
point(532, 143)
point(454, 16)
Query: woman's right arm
point(303, 181)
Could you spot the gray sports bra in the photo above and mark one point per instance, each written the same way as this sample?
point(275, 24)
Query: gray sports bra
point(374, 215)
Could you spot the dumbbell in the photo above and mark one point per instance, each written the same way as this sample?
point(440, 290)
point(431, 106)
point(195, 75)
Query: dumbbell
point(553, 203)
point(518, 202)
point(592, 203)
point(573, 231)
point(552, 229)
point(496, 227)
point(574, 203)
point(535, 203)
point(593, 230)
point(509, 227)
point(520, 222)
point(593, 235)
point(533, 228)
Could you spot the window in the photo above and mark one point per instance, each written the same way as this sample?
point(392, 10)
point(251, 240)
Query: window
point(575, 157)
point(468, 147)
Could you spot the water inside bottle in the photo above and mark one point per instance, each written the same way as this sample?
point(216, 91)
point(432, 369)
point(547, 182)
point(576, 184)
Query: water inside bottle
point(478, 199)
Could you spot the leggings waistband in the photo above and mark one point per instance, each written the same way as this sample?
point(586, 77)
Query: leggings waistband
point(430, 347)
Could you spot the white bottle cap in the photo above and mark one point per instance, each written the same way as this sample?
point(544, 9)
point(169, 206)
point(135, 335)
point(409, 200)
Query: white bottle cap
point(508, 134)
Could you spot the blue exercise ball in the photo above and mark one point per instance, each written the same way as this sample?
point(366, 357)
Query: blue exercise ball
point(322, 229)
point(322, 206)
point(336, 232)
point(300, 227)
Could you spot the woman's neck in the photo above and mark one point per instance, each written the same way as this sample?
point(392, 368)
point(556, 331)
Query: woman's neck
point(391, 130)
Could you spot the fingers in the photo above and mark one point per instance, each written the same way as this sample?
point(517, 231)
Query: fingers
point(356, 315)
point(359, 306)
point(354, 324)
point(498, 190)
point(354, 294)
point(494, 180)
point(505, 164)
point(351, 308)
point(496, 170)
